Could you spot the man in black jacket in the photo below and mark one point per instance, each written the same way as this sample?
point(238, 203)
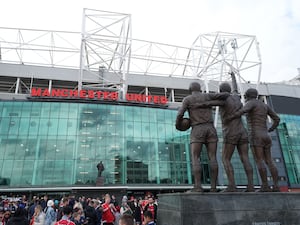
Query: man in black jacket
point(90, 213)
point(19, 218)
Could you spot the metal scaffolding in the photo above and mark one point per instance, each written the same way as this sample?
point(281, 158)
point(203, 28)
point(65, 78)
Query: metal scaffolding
point(105, 48)
point(214, 55)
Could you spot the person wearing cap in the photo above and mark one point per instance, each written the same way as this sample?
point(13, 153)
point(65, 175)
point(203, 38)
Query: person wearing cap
point(260, 141)
point(50, 218)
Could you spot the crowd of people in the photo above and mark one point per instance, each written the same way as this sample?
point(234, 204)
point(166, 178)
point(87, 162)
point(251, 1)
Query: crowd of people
point(104, 210)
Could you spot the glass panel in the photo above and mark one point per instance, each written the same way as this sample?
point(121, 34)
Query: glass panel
point(289, 131)
point(51, 144)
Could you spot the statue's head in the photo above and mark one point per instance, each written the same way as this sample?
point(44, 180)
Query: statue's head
point(225, 87)
point(194, 86)
point(251, 93)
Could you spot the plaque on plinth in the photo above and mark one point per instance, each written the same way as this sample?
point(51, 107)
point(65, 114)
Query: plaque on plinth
point(100, 181)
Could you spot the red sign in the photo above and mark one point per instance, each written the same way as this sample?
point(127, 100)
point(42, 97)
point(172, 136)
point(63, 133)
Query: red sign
point(101, 95)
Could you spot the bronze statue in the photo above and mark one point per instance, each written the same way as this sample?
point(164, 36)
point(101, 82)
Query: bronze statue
point(260, 140)
point(203, 132)
point(234, 134)
point(100, 168)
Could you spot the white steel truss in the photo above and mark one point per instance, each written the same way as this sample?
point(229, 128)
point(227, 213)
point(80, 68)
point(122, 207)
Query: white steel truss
point(105, 48)
point(39, 47)
point(214, 55)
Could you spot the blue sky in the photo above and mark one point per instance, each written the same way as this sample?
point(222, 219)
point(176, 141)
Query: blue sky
point(276, 23)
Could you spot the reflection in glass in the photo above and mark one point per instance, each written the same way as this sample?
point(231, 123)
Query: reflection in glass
point(59, 144)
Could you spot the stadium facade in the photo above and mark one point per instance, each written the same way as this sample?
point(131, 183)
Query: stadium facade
point(58, 120)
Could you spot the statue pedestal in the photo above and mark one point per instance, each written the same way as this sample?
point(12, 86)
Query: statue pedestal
point(100, 181)
point(229, 208)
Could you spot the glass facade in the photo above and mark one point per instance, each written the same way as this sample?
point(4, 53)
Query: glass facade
point(289, 133)
point(60, 143)
point(56, 143)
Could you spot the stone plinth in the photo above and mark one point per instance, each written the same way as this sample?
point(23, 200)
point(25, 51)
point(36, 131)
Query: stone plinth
point(100, 181)
point(229, 209)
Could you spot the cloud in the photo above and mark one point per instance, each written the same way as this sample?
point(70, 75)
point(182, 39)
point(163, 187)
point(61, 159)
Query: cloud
point(276, 24)
point(294, 8)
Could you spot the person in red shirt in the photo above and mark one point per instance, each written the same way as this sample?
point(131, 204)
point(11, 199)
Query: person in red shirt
point(65, 220)
point(145, 202)
point(108, 217)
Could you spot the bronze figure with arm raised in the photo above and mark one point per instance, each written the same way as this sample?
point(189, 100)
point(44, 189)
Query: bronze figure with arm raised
point(234, 134)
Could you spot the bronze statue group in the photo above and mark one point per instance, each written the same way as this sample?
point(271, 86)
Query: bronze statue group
point(199, 107)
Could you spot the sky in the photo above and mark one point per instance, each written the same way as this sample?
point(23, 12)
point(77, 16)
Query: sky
point(275, 23)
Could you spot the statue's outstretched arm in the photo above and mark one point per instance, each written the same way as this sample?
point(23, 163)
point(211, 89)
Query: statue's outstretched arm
point(234, 83)
point(208, 104)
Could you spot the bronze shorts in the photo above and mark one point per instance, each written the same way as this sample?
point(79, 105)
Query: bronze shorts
point(261, 139)
point(204, 133)
point(241, 138)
